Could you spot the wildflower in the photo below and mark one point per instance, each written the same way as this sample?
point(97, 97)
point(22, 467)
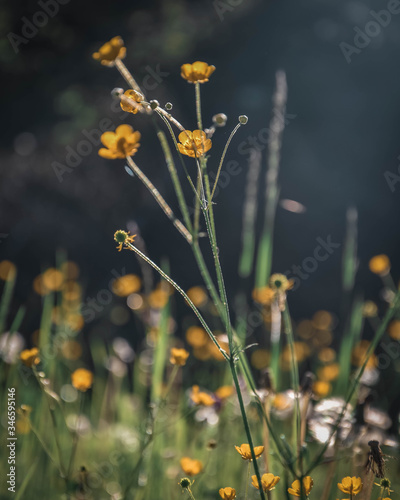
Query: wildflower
point(193, 144)
point(227, 493)
point(53, 279)
point(279, 283)
point(321, 388)
point(178, 356)
point(120, 144)
point(351, 485)
point(30, 357)
point(245, 451)
point(82, 379)
point(201, 398)
point(264, 295)
point(122, 237)
point(7, 270)
point(196, 336)
point(71, 349)
point(158, 299)
point(380, 264)
point(110, 51)
point(307, 486)
point(394, 329)
point(190, 466)
point(125, 285)
point(197, 295)
point(370, 309)
point(128, 106)
point(268, 481)
point(224, 392)
point(329, 372)
point(198, 72)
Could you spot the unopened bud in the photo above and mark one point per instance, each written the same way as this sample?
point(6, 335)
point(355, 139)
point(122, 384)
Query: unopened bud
point(168, 106)
point(117, 93)
point(220, 119)
point(243, 119)
point(154, 104)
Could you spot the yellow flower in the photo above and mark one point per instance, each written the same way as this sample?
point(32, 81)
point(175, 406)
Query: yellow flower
point(264, 295)
point(193, 144)
point(394, 329)
point(191, 467)
point(279, 282)
point(245, 451)
point(30, 357)
point(307, 486)
point(110, 51)
point(196, 336)
point(120, 144)
point(130, 107)
point(82, 379)
point(380, 264)
point(198, 72)
point(7, 270)
point(197, 295)
point(227, 493)
point(224, 392)
point(351, 485)
point(122, 237)
point(201, 398)
point(125, 285)
point(321, 388)
point(178, 356)
point(268, 481)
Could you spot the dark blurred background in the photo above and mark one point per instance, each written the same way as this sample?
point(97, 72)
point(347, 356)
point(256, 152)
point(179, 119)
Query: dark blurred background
point(341, 137)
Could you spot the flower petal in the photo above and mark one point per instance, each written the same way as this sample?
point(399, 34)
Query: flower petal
point(124, 130)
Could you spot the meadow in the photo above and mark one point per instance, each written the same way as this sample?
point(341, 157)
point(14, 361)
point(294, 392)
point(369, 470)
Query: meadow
point(305, 411)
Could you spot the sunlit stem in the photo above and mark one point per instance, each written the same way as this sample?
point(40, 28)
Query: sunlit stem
point(198, 106)
point(247, 481)
point(171, 381)
point(160, 200)
point(287, 323)
point(184, 295)
point(127, 76)
point(223, 158)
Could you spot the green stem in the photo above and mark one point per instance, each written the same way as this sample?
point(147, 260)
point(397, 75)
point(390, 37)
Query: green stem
point(247, 481)
point(184, 295)
point(198, 106)
point(76, 435)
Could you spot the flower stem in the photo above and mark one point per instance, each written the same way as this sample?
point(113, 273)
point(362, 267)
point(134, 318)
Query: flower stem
point(160, 200)
point(127, 76)
point(247, 480)
point(198, 106)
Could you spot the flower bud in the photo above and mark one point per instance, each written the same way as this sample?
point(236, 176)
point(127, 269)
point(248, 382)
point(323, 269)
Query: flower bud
point(168, 106)
point(220, 119)
point(117, 93)
point(154, 104)
point(243, 119)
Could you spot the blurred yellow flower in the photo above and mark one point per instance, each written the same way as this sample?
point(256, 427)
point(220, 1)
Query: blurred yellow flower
point(370, 309)
point(178, 356)
point(308, 483)
point(359, 353)
point(394, 329)
point(327, 355)
point(110, 51)
point(224, 392)
point(71, 291)
point(120, 144)
point(351, 485)
point(197, 295)
point(260, 358)
point(227, 493)
point(245, 451)
point(196, 336)
point(329, 372)
point(198, 72)
point(30, 357)
point(125, 285)
point(158, 298)
point(279, 283)
point(380, 264)
point(190, 466)
point(122, 237)
point(201, 398)
point(268, 481)
point(70, 269)
point(263, 295)
point(7, 270)
point(128, 106)
point(53, 279)
point(193, 144)
point(321, 388)
point(71, 349)
point(82, 379)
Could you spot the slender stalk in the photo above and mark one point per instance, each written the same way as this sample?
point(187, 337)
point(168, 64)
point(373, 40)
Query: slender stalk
point(247, 481)
point(184, 295)
point(160, 200)
point(127, 76)
point(223, 158)
point(76, 435)
point(198, 106)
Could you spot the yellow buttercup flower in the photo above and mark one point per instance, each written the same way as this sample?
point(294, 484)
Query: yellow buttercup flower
point(268, 481)
point(198, 72)
point(178, 356)
point(264, 295)
point(120, 144)
point(190, 466)
point(295, 490)
point(122, 237)
point(201, 398)
point(351, 485)
point(380, 264)
point(279, 282)
point(30, 357)
point(245, 451)
point(193, 144)
point(227, 493)
point(82, 379)
point(224, 392)
point(130, 107)
point(110, 51)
